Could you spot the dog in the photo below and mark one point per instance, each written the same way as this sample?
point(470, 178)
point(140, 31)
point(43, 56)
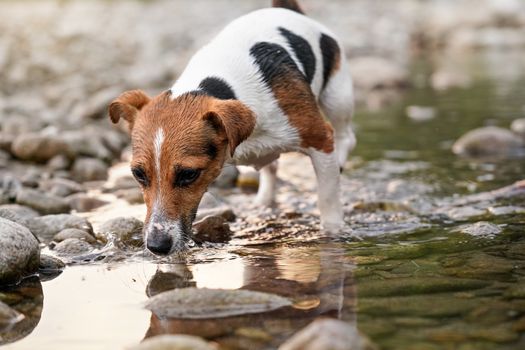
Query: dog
point(262, 87)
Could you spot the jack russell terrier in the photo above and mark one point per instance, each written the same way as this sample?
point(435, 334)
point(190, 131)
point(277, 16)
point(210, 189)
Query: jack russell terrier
point(262, 87)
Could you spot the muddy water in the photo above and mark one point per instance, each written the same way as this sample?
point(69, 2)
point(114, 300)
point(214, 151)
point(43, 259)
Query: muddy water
point(402, 272)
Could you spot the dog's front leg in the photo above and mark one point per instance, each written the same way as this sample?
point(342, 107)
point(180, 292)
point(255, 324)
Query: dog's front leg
point(267, 184)
point(326, 169)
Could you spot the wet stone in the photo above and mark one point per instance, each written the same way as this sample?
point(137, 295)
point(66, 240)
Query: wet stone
point(82, 202)
point(74, 233)
point(465, 213)
point(17, 213)
point(19, 252)
point(42, 202)
point(125, 230)
point(213, 229)
point(59, 162)
point(488, 141)
point(46, 227)
point(131, 195)
point(173, 342)
point(518, 127)
point(203, 303)
point(480, 229)
point(506, 210)
point(328, 334)
point(421, 113)
point(71, 247)
point(416, 285)
point(50, 267)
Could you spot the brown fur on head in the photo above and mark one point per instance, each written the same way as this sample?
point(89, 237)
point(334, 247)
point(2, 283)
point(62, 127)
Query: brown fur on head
point(179, 147)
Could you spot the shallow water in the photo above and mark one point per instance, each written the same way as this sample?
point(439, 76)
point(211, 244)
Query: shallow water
point(411, 281)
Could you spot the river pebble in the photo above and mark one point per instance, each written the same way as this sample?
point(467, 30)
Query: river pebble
point(8, 316)
point(202, 303)
point(37, 147)
point(19, 252)
point(125, 230)
point(82, 202)
point(42, 202)
point(61, 187)
point(71, 247)
point(328, 334)
point(74, 233)
point(488, 141)
point(89, 169)
point(174, 342)
point(46, 227)
point(213, 229)
point(480, 229)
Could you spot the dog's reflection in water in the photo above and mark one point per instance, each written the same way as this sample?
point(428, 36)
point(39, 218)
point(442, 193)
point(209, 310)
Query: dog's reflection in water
point(317, 278)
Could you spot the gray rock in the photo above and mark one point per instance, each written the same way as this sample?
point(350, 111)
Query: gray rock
point(42, 202)
point(86, 144)
point(19, 252)
point(371, 73)
point(125, 231)
point(38, 148)
point(72, 247)
point(131, 195)
point(46, 227)
point(213, 229)
point(328, 334)
point(488, 141)
point(59, 162)
point(18, 125)
point(9, 187)
point(200, 303)
point(446, 78)
point(31, 177)
point(518, 127)
point(61, 187)
point(82, 202)
point(480, 229)
point(465, 213)
point(173, 342)
point(50, 264)
point(89, 169)
point(74, 233)
point(421, 113)
point(17, 213)
point(6, 141)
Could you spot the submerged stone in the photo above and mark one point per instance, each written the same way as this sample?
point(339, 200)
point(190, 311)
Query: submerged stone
point(173, 342)
point(203, 303)
point(480, 229)
point(416, 285)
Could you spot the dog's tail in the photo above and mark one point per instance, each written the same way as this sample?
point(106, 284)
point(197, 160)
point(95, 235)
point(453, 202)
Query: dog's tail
point(288, 4)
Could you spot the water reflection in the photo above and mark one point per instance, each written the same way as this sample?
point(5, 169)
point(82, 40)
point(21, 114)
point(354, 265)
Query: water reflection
point(317, 278)
point(27, 298)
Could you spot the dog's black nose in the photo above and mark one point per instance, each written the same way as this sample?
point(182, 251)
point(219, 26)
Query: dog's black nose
point(160, 245)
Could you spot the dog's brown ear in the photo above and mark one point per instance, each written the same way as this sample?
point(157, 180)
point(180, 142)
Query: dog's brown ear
point(234, 119)
point(127, 106)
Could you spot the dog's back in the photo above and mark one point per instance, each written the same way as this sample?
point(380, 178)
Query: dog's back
point(279, 63)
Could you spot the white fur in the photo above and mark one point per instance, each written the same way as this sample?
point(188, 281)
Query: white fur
point(157, 147)
point(267, 185)
point(228, 57)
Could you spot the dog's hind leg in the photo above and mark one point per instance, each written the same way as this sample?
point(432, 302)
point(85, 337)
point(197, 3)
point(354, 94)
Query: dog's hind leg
point(326, 168)
point(267, 184)
point(336, 101)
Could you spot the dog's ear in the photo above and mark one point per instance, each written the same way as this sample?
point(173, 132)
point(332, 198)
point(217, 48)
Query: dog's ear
point(127, 106)
point(232, 118)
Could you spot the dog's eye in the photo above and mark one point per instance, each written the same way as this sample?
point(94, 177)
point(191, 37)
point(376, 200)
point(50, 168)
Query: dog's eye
point(186, 177)
point(140, 175)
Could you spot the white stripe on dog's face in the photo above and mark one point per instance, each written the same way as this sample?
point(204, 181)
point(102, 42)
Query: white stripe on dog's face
point(157, 146)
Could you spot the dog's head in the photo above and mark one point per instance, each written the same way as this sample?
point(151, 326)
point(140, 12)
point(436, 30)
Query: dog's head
point(179, 147)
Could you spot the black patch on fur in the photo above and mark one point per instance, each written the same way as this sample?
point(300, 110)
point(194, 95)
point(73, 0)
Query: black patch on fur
point(330, 51)
point(273, 61)
point(303, 51)
point(211, 150)
point(288, 4)
point(217, 88)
